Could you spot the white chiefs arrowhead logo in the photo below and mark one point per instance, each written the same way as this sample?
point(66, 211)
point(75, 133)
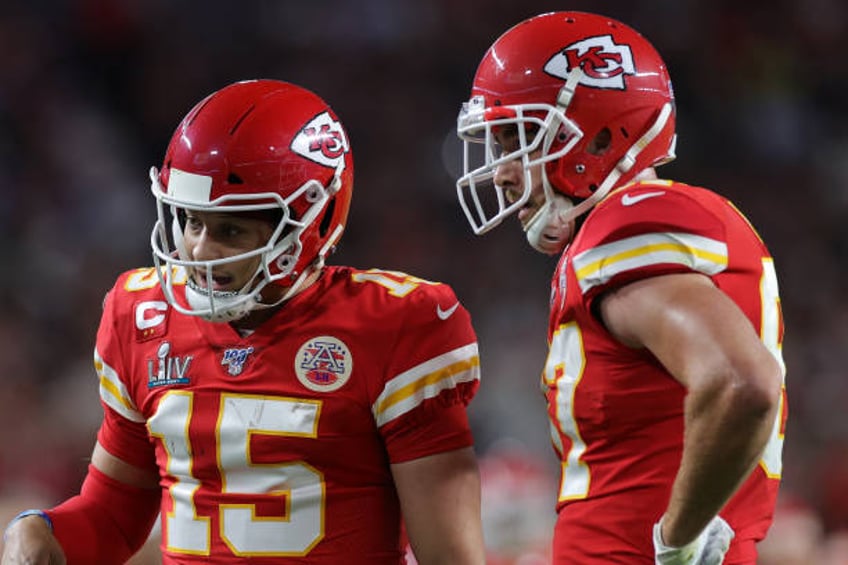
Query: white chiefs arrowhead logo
point(322, 140)
point(604, 63)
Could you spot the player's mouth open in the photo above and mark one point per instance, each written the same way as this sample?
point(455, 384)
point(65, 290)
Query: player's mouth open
point(219, 281)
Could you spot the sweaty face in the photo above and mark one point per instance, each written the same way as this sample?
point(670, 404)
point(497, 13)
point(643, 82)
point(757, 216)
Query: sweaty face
point(210, 236)
point(510, 175)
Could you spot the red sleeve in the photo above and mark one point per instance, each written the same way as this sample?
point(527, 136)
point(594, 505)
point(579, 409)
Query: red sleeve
point(123, 432)
point(647, 230)
point(433, 375)
point(444, 430)
point(126, 440)
point(109, 520)
point(106, 523)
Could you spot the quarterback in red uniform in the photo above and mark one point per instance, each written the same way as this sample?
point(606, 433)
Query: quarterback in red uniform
point(664, 378)
point(263, 405)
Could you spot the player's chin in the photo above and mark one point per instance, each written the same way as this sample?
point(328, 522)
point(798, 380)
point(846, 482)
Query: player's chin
point(551, 247)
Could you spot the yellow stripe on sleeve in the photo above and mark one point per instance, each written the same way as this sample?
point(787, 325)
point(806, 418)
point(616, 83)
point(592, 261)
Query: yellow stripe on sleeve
point(113, 392)
point(598, 265)
point(411, 388)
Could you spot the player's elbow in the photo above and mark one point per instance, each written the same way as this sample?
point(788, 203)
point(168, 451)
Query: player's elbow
point(755, 392)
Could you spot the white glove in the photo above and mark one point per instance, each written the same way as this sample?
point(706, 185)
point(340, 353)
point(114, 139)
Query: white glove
point(707, 549)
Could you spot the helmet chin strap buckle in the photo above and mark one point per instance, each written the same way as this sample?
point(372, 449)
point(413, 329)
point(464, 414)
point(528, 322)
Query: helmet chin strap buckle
point(626, 163)
point(566, 93)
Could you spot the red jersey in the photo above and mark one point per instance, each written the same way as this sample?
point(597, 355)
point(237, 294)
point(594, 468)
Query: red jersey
point(616, 413)
point(276, 446)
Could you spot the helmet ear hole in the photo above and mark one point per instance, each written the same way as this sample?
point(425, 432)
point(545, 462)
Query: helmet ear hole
point(600, 143)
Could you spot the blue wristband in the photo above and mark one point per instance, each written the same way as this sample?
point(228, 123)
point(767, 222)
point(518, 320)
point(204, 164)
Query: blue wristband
point(32, 512)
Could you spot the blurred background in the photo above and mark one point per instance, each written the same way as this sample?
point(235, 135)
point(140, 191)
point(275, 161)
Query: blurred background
point(91, 90)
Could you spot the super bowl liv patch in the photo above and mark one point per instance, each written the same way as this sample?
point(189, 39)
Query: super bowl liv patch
point(167, 369)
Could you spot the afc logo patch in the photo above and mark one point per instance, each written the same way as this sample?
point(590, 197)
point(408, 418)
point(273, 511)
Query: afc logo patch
point(603, 62)
point(151, 319)
point(323, 364)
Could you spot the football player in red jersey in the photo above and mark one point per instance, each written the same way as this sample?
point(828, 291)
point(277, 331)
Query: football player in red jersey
point(664, 378)
point(264, 405)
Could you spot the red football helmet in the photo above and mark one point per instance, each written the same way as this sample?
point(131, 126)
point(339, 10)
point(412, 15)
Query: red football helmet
point(260, 145)
point(592, 102)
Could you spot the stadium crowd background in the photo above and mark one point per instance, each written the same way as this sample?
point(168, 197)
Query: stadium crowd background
point(90, 91)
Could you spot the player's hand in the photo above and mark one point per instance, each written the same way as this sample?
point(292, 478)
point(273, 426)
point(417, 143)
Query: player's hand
point(707, 549)
point(29, 541)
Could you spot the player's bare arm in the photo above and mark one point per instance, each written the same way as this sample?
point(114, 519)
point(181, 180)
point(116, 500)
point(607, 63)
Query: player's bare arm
point(733, 384)
point(440, 498)
point(122, 471)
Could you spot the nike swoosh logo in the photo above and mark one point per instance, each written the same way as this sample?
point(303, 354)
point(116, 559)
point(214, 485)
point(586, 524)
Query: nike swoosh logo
point(628, 200)
point(445, 314)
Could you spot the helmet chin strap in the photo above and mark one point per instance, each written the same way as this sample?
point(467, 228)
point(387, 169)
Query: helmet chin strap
point(229, 306)
point(551, 228)
point(223, 306)
point(305, 278)
point(625, 164)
